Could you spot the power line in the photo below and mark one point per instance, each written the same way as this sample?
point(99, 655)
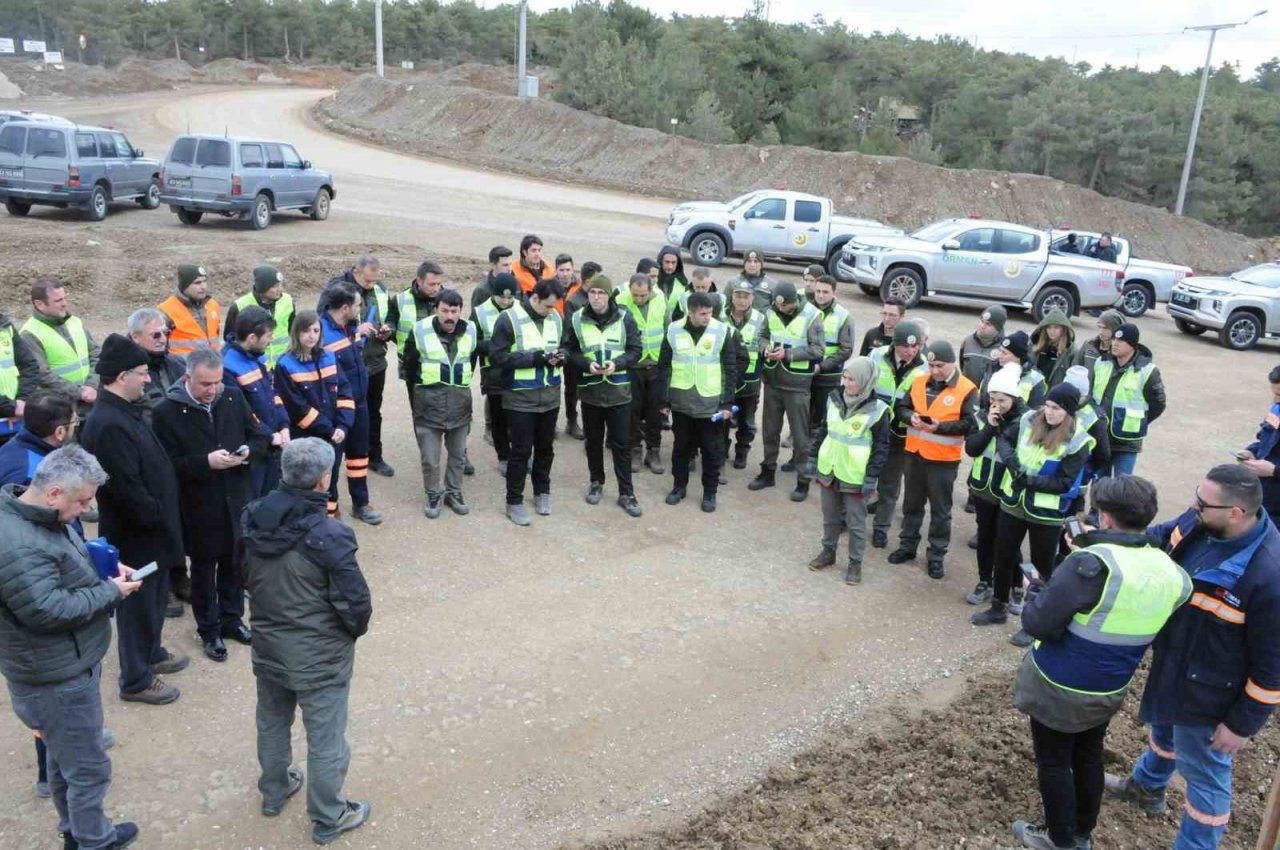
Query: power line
point(1078, 36)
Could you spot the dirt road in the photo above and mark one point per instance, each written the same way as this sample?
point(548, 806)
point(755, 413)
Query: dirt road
point(593, 674)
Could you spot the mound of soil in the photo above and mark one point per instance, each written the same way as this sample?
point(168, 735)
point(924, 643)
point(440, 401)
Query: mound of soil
point(551, 140)
point(957, 777)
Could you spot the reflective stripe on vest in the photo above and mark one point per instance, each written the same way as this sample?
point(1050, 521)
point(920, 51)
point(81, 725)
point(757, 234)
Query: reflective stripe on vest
point(847, 448)
point(187, 335)
point(436, 366)
point(1128, 414)
point(696, 366)
point(8, 365)
point(67, 360)
point(1035, 460)
point(528, 337)
point(1103, 647)
point(987, 469)
point(946, 407)
point(831, 324)
point(600, 346)
point(280, 312)
point(408, 316)
point(749, 339)
point(886, 390)
point(1027, 384)
point(793, 334)
point(652, 324)
point(486, 314)
point(378, 312)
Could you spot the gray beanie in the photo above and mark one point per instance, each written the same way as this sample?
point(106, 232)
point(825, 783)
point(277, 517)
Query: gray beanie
point(1112, 319)
point(996, 315)
point(1078, 377)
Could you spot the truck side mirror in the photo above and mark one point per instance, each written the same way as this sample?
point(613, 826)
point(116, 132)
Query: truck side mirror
point(306, 165)
point(951, 245)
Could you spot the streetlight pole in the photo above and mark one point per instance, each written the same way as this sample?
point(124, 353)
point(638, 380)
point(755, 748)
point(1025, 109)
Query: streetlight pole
point(377, 32)
point(1204, 85)
point(520, 49)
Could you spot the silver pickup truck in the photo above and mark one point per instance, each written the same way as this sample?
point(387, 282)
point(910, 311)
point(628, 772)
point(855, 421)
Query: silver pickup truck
point(981, 261)
point(1243, 308)
point(1146, 282)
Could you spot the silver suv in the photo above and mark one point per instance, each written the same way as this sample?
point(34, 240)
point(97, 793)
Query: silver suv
point(245, 178)
point(72, 165)
point(1243, 308)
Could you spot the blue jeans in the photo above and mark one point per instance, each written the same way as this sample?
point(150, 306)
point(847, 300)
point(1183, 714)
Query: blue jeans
point(68, 716)
point(1122, 463)
point(1208, 776)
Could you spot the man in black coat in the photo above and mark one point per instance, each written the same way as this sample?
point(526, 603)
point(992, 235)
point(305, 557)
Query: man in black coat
point(211, 437)
point(139, 510)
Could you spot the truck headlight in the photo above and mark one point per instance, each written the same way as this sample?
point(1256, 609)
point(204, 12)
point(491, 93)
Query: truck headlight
point(1217, 305)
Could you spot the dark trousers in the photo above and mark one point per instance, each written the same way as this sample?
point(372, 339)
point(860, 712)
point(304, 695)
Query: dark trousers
point(646, 409)
point(618, 420)
point(928, 481)
point(265, 474)
point(217, 594)
point(818, 395)
point(1009, 533)
point(987, 515)
point(743, 425)
point(1070, 768)
point(355, 451)
point(139, 621)
point(572, 375)
point(377, 385)
point(794, 405)
point(533, 435)
point(497, 416)
point(696, 435)
point(889, 484)
point(68, 716)
point(324, 715)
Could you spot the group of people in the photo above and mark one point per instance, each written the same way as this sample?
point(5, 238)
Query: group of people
point(219, 440)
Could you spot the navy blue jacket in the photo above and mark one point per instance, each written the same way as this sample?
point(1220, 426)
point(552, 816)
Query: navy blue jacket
point(256, 383)
point(343, 344)
point(315, 395)
point(1217, 660)
point(1267, 447)
point(20, 456)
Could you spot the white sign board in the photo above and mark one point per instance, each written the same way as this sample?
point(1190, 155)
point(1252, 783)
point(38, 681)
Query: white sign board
point(53, 57)
point(6, 45)
point(32, 46)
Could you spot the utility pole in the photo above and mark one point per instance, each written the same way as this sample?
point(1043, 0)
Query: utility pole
point(377, 34)
point(520, 49)
point(1204, 85)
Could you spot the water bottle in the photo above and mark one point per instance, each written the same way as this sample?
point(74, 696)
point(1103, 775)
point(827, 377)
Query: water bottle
point(720, 415)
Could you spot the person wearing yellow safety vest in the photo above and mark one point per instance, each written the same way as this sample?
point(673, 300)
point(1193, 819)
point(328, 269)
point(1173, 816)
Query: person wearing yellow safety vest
point(699, 367)
point(1015, 348)
point(648, 307)
point(1043, 468)
point(792, 344)
point(853, 444)
point(897, 367)
point(267, 293)
point(668, 277)
point(62, 346)
point(499, 263)
point(195, 316)
point(503, 289)
point(602, 341)
point(527, 349)
point(1128, 388)
point(747, 322)
point(1092, 622)
point(838, 342)
point(940, 410)
point(19, 378)
point(699, 281)
point(416, 302)
point(441, 353)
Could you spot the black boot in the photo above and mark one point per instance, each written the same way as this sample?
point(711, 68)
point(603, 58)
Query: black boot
point(879, 539)
point(740, 453)
point(764, 479)
point(996, 615)
point(853, 573)
point(825, 558)
point(902, 555)
point(801, 492)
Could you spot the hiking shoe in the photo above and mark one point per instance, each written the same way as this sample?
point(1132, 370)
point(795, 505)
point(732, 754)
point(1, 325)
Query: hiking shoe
point(353, 818)
point(901, 556)
point(801, 492)
point(270, 810)
point(156, 693)
point(982, 592)
point(1126, 788)
point(126, 834)
point(708, 504)
point(825, 558)
point(595, 493)
point(853, 573)
point(1037, 837)
point(1015, 601)
point(676, 496)
point(1021, 639)
point(973, 542)
point(366, 514)
point(936, 569)
point(457, 504)
point(172, 664)
point(434, 502)
point(381, 467)
point(740, 459)
point(996, 615)
point(518, 515)
point(766, 478)
point(542, 504)
point(879, 539)
point(573, 429)
point(789, 466)
point(629, 504)
point(653, 460)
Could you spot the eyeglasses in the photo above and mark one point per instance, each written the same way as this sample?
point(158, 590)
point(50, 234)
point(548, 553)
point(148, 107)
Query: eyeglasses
point(1202, 505)
point(158, 334)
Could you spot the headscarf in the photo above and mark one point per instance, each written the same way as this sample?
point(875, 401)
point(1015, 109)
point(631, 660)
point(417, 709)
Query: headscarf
point(863, 370)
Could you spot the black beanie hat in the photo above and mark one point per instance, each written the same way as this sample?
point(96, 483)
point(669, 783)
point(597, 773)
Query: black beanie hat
point(787, 292)
point(1065, 396)
point(189, 273)
point(1018, 343)
point(265, 277)
point(1128, 332)
point(119, 354)
point(504, 284)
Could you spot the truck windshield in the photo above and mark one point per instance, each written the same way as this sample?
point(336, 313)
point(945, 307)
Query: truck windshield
point(743, 199)
point(935, 232)
point(1267, 274)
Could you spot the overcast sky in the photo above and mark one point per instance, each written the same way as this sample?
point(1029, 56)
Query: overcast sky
point(1146, 32)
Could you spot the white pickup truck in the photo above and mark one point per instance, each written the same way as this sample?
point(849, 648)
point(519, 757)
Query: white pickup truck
point(788, 226)
point(981, 261)
point(1146, 282)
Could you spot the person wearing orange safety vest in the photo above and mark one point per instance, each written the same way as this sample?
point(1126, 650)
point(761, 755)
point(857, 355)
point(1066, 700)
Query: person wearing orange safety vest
point(194, 316)
point(941, 410)
point(532, 268)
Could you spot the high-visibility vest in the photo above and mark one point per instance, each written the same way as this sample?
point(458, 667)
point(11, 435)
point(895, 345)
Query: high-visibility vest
point(793, 333)
point(281, 310)
point(749, 339)
point(678, 290)
point(886, 390)
point(601, 345)
point(652, 322)
point(187, 336)
point(1028, 382)
point(848, 445)
point(381, 301)
point(528, 337)
point(831, 324)
point(436, 367)
point(1103, 647)
point(987, 471)
point(1128, 414)
point(408, 309)
point(1036, 460)
point(486, 314)
point(946, 407)
point(67, 360)
point(695, 366)
point(8, 364)
point(718, 312)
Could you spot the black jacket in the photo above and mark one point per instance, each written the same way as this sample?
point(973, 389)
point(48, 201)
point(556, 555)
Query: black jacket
point(28, 368)
point(733, 361)
point(875, 337)
point(211, 499)
point(165, 370)
point(139, 502)
point(602, 393)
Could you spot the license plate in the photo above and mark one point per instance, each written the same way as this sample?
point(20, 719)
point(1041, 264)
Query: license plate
point(1184, 300)
point(10, 172)
point(178, 182)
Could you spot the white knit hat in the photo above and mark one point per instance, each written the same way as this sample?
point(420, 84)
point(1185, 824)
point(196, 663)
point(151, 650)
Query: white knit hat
point(1006, 380)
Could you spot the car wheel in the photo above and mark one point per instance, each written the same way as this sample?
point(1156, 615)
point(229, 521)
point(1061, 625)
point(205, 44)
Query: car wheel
point(320, 206)
point(904, 284)
point(1051, 298)
point(832, 262)
point(150, 200)
point(707, 249)
point(1189, 328)
point(869, 289)
point(1135, 300)
point(260, 217)
point(1241, 332)
point(17, 208)
point(98, 204)
point(189, 216)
